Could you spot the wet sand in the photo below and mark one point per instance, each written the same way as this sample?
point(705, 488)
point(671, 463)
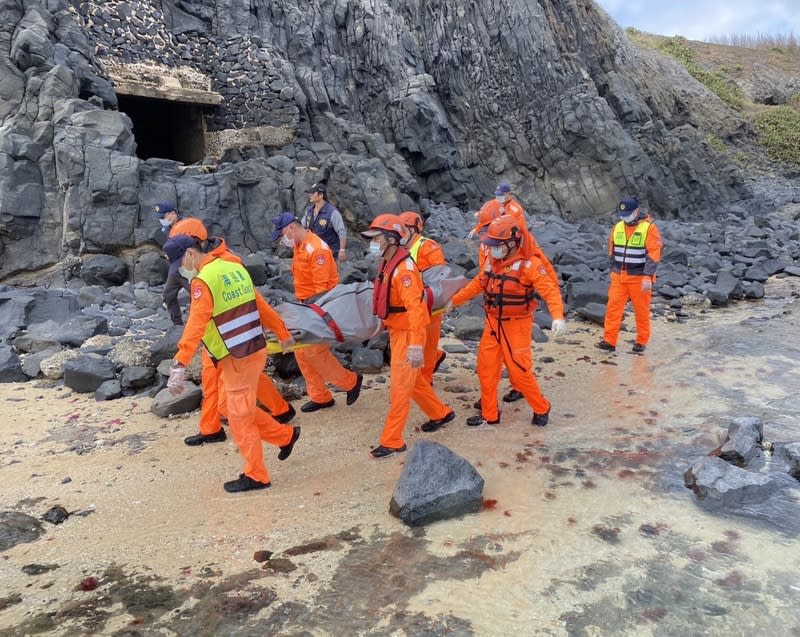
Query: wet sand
point(586, 530)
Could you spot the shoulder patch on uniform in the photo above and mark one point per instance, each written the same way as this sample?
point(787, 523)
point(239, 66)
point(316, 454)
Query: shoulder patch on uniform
point(320, 260)
point(542, 271)
point(406, 281)
point(197, 292)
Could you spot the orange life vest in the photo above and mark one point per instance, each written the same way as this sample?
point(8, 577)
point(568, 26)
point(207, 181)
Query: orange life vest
point(380, 290)
point(504, 294)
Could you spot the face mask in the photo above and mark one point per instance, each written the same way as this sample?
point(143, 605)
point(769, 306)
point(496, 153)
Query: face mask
point(164, 223)
point(501, 198)
point(631, 217)
point(287, 241)
point(375, 248)
point(499, 252)
point(186, 273)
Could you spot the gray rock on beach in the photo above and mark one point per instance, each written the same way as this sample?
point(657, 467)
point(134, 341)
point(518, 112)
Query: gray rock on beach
point(436, 484)
point(165, 404)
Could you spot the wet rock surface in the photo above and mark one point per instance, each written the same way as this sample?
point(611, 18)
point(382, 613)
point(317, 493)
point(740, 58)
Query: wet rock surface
point(16, 528)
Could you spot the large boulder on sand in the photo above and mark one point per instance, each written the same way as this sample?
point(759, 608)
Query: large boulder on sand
point(436, 484)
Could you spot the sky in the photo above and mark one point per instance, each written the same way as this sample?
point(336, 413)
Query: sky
point(707, 19)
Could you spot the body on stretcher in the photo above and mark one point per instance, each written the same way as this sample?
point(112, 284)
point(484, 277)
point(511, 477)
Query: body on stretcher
point(344, 314)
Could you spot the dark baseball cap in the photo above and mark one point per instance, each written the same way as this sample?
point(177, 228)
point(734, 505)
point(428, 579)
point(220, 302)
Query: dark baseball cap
point(627, 206)
point(318, 187)
point(163, 207)
point(280, 222)
point(176, 247)
point(503, 188)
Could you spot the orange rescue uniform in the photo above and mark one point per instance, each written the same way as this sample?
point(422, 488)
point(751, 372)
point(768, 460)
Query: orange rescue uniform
point(407, 327)
point(634, 283)
point(248, 424)
point(214, 398)
point(508, 288)
point(314, 272)
point(428, 254)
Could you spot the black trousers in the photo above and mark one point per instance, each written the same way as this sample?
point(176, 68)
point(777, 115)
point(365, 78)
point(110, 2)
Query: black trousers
point(171, 288)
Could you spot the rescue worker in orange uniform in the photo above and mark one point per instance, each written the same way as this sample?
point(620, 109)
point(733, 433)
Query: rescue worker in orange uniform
point(508, 281)
point(426, 254)
point(634, 250)
point(173, 224)
point(398, 300)
point(214, 403)
point(229, 316)
point(213, 406)
point(505, 204)
point(314, 272)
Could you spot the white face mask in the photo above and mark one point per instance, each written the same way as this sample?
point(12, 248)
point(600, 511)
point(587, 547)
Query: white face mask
point(164, 223)
point(287, 241)
point(375, 248)
point(187, 273)
point(631, 217)
point(501, 198)
point(499, 252)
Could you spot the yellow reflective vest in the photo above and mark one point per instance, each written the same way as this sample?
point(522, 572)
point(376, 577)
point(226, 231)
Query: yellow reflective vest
point(235, 327)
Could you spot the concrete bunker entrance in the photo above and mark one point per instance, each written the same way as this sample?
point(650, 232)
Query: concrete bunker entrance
point(166, 129)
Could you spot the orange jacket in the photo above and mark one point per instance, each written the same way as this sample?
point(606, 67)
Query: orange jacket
point(201, 310)
point(313, 267)
point(522, 276)
point(405, 291)
point(429, 254)
point(191, 226)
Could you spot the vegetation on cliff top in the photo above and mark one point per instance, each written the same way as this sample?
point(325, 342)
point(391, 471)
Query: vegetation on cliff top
point(778, 126)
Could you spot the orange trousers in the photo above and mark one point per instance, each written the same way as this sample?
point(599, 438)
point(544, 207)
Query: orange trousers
point(507, 343)
point(406, 384)
point(318, 366)
point(248, 424)
point(213, 405)
point(432, 351)
point(621, 289)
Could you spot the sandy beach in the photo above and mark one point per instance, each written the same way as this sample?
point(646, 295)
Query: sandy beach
point(576, 513)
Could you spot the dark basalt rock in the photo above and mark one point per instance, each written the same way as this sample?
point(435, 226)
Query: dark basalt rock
point(436, 484)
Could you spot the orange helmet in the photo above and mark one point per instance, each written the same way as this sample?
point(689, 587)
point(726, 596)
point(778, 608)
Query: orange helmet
point(502, 230)
point(412, 220)
point(484, 217)
point(386, 224)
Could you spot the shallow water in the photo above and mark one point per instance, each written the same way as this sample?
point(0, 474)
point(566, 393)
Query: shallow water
point(587, 528)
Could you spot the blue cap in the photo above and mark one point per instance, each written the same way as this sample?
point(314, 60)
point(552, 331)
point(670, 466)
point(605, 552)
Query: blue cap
point(176, 247)
point(627, 206)
point(503, 188)
point(280, 222)
point(163, 207)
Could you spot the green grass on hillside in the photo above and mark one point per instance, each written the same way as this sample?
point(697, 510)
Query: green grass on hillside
point(779, 131)
point(717, 83)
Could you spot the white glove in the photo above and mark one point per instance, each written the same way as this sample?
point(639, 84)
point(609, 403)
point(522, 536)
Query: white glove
point(415, 357)
point(176, 378)
point(559, 328)
point(647, 283)
point(286, 346)
point(471, 234)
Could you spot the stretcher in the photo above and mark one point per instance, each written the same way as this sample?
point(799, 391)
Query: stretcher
point(344, 314)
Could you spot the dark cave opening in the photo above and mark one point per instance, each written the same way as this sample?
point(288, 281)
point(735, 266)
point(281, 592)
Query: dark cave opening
point(166, 129)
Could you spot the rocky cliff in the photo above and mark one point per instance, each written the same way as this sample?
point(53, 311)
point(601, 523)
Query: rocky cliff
point(396, 103)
